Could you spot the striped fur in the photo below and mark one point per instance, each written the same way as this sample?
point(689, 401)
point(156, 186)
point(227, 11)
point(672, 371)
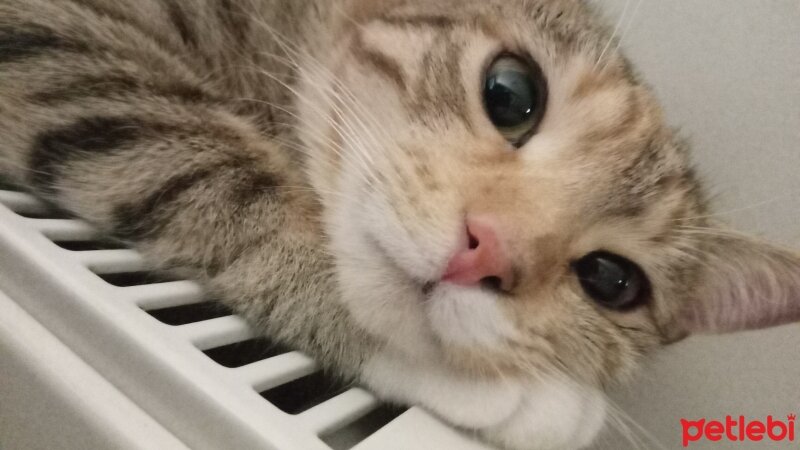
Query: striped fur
point(108, 111)
point(311, 163)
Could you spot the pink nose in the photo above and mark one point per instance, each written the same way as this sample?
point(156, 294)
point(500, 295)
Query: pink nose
point(482, 259)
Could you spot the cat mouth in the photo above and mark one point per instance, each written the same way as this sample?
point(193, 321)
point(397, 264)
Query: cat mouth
point(428, 288)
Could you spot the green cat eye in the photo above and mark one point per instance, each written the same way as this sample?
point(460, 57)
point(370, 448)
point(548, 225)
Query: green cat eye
point(514, 96)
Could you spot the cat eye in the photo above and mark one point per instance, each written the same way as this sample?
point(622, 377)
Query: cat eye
point(611, 280)
point(514, 96)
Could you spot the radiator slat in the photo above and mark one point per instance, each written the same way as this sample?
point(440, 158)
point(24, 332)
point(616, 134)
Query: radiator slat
point(339, 411)
point(164, 295)
point(22, 203)
point(63, 229)
point(111, 261)
point(216, 332)
point(269, 373)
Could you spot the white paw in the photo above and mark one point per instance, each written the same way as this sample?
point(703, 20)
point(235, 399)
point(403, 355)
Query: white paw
point(553, 415)
point(532, 414)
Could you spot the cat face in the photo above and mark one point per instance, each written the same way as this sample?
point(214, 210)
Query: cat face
point(502, 193)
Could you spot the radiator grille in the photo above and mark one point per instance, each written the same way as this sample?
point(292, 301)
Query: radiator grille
point(185, 359)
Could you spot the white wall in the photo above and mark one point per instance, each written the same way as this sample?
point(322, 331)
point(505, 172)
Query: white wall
point(728, 73)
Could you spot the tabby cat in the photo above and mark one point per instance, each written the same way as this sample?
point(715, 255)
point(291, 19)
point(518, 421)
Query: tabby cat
point(470, 205)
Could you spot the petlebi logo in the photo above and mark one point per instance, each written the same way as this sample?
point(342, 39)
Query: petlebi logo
point(739, 429)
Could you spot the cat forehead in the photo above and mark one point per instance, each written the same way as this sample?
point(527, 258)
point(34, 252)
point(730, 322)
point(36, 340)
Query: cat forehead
point(437, 53)
point(560, 24)
point(590, 101)
point(433, 63)
point(412, 37)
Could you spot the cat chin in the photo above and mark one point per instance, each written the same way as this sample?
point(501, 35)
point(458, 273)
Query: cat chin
point(468, 317)
point(525, 414)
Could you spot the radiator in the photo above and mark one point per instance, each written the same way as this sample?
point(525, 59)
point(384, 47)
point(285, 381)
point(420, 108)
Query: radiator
point(97, 351)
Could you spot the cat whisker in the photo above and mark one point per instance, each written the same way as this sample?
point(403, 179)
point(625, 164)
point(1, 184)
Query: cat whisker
point(738, 210)
point(326, 141)
point(613, 34)
point(305, 189)
point(364, 130)
point(689, 231)
point(363, 169)
point(638, 435)
point(625, 31)
point(325, 73)
point(332, 123)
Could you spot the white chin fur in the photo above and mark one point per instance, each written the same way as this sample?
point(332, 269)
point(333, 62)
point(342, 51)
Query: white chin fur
point(517, 414)
point(467, 317)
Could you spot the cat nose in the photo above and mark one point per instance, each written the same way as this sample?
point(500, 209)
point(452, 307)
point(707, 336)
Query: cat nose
point(481, 259)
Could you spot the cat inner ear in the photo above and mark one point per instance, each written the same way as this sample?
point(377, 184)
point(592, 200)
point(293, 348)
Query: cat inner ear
point(743, 284)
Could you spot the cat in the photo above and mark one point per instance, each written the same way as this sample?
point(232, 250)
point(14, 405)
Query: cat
point(470, 205)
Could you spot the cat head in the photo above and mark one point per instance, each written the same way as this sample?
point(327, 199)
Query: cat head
point(502, 193)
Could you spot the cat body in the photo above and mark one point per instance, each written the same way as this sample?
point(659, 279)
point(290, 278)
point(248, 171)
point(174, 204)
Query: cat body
point(328, 169)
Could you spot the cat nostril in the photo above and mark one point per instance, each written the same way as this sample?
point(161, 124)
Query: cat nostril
point(473, 241)
point(492, 283)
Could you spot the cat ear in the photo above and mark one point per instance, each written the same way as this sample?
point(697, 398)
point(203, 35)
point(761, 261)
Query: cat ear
point(743, 284)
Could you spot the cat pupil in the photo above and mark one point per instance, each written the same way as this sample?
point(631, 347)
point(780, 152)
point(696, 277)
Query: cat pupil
point(509, 98)
point(611, 280)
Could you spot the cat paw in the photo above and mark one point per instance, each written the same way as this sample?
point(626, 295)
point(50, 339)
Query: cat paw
point(540, 414)
point(552, 415)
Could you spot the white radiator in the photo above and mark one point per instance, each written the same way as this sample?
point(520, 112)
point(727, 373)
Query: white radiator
point(98, 352)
